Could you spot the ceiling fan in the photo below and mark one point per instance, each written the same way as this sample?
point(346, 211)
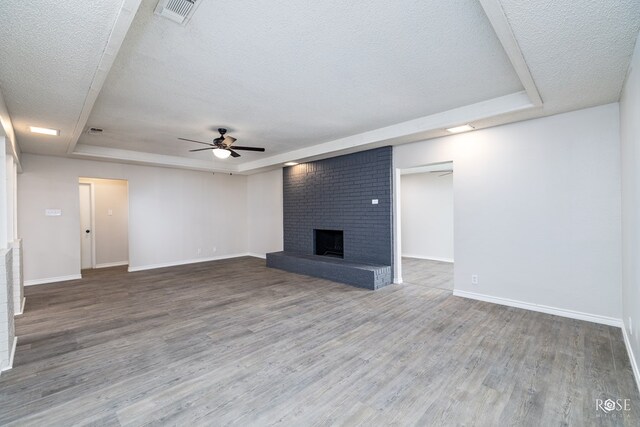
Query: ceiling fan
point(221, 146)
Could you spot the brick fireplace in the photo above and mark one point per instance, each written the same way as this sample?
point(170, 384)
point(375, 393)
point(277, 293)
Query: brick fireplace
point(348, 200)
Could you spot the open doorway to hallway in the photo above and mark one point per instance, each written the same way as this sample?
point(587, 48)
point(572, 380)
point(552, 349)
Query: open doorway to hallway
point(427, 225)
point(104, 222)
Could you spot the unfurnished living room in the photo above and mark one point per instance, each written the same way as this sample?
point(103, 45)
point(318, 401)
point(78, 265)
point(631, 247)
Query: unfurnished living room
point(350, 213)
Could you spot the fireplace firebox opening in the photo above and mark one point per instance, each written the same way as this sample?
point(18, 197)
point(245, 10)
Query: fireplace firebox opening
point(329, 243)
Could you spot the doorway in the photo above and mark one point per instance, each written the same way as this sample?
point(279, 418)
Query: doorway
point(104, 222)
point(86, 227)
point(426, 224)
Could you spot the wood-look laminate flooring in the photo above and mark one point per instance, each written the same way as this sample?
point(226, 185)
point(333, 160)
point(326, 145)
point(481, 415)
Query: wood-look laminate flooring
point(232, 342)
point(436, 274)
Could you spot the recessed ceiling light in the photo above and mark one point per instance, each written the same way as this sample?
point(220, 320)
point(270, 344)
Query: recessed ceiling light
point(290, 164)
point(44, 131)
point(458, 129)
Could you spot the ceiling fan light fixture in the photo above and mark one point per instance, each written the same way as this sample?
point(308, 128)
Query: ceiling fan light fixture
point(221, 153)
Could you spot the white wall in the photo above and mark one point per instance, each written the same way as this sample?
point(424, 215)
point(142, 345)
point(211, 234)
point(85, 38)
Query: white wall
point(427, 216)
point(536, 211)
point(264, 198)
point(111, 221)
point(10, 280)
point(630, 146)
point(175, 216)
point(7, 309)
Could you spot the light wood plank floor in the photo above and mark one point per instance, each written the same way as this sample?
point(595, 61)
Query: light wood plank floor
point(232, 342)
point(436, 274)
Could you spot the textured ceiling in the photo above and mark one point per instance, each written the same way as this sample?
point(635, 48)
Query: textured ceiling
point(578, 51)
point(285, 75)
point(49, 52)
point(301, 78)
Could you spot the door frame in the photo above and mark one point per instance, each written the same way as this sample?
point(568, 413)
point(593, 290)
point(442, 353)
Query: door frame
point(92, 222)
point(397, 216)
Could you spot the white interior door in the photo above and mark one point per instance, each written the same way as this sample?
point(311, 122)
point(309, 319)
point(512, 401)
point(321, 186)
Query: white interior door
point(86, 232)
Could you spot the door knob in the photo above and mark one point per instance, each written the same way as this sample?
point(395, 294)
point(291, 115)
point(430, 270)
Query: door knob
point(87, 231)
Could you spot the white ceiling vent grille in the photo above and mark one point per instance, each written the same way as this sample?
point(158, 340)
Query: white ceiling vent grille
point(179, 11)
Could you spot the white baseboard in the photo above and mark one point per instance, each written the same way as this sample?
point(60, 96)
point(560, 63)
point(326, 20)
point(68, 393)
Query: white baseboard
point(430, 258)
point(595, 318)
point(11, 355)
point(21, 310)
point(112, 264)
point(52, 280)
point(183, 262)
point(634, 363)
point(263, 256)
point(397, 280)
point(138, 268)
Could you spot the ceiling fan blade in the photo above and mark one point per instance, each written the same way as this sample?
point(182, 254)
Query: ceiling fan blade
point(192, 140)
point(228, 140)
point(233, 153)
point(441, 170)
point(248, 148)
point(202, 149)
point(447, 173)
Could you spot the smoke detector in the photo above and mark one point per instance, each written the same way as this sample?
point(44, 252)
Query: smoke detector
point(179, 11)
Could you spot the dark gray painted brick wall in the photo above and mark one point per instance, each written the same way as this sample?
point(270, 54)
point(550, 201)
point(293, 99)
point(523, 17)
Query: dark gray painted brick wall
point(336, 194)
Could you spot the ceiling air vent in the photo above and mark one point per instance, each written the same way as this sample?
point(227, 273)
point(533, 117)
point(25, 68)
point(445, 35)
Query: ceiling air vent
point(179, 11)
point(94, 131)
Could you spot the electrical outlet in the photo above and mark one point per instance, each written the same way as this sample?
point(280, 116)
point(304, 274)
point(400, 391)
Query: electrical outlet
point(214, 249)
point(199, 251)
point(474, 279)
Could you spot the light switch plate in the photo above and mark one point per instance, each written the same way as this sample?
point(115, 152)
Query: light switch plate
point(53, 212)
point(374, 201)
